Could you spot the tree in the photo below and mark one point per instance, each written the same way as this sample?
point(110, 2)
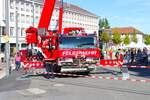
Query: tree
point(103, 24)
point(134, 38)
point(105, 37)
point(116, 38)
point(126, 40)
point(106, 23)
point(147, 39)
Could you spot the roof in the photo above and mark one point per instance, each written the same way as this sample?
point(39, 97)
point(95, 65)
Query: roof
point(125, 30)
point(71, 7)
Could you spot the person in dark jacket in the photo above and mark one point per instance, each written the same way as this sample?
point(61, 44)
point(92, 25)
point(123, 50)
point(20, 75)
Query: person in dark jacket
point(139, 56)
point(133, 53)
point(145, 56)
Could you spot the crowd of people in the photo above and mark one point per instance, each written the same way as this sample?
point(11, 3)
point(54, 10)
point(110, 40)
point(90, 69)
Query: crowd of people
point(138, 56)
point(129, 56)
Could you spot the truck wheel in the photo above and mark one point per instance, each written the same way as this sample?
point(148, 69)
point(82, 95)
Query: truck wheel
point(47, 66)
point(86, 73)
point(57, 68)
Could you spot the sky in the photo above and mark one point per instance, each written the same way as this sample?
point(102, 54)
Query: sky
point(120, 13)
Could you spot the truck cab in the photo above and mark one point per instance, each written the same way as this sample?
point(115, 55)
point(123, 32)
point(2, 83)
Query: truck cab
point(78, 53)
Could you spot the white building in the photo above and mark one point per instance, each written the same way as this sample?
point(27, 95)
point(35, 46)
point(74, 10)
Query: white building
point(129, 30)
point(23, 13)
point(2, 19)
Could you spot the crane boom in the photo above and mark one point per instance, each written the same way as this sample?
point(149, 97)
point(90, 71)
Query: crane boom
point(60, 16)
point(46, 14)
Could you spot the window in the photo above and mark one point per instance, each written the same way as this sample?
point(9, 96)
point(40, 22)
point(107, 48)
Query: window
point(12, 17)
point(22, 32)
point(11, 31)
point(17, 5)
point(27, 19)
point(11, 4)
point(22, 18)
point(31, 21)
point(18, 18)
point(27, 7)
point(22, 6)
point(2, 31)
point(18, 30)
point(37, 9)
point(77, 42)
point(36, 19)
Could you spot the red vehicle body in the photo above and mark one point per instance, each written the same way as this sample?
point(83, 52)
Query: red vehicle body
point(64, 52)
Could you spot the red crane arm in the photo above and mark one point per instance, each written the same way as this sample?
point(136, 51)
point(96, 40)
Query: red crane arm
point(60, 16)
point(46, 14)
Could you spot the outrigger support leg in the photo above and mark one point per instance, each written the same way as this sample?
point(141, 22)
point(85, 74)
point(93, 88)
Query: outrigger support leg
point(50, 69)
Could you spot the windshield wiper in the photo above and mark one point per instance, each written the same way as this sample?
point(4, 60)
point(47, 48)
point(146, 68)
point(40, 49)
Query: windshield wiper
point(80, 45)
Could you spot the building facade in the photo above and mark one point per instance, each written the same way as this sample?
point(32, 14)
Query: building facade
point(25, 13)
point(128, 30)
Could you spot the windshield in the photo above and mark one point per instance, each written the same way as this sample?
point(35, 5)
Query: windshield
point(77, 42)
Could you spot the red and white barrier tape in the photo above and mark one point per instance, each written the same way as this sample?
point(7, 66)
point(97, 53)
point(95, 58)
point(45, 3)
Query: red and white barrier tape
point(102, 77)
point(121, 66)
point(121, 78)
point(101, 65)
point(138, 66)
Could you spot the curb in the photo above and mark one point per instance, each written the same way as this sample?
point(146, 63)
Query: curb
point(119, 66)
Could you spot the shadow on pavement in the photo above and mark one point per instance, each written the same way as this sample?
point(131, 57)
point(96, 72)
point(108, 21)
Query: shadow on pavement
point(141, 72)
point(11, 83)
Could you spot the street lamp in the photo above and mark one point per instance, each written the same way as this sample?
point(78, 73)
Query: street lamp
point(7, 46)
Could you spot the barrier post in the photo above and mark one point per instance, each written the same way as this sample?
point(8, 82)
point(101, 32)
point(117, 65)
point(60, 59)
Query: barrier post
point(125, 73)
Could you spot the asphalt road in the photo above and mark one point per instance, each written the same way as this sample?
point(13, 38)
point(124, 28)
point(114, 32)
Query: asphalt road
point(71, 88)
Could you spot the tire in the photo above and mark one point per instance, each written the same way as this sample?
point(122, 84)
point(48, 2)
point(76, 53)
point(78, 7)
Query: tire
point(47, 66)
point(57, 69)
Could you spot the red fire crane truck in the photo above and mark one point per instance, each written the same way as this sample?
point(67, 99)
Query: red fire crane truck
point(70, 51)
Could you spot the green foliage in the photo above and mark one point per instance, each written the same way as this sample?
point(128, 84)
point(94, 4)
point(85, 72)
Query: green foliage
point(147, 39)
point(105, 37)
point(103, 24)
point(126, 40)
point(106, 23)
point(134, 38)
point(116, 38)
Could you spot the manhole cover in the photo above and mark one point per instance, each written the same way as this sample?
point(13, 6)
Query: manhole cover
point(58, 85)
point(36, 91)
point(31, 91)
